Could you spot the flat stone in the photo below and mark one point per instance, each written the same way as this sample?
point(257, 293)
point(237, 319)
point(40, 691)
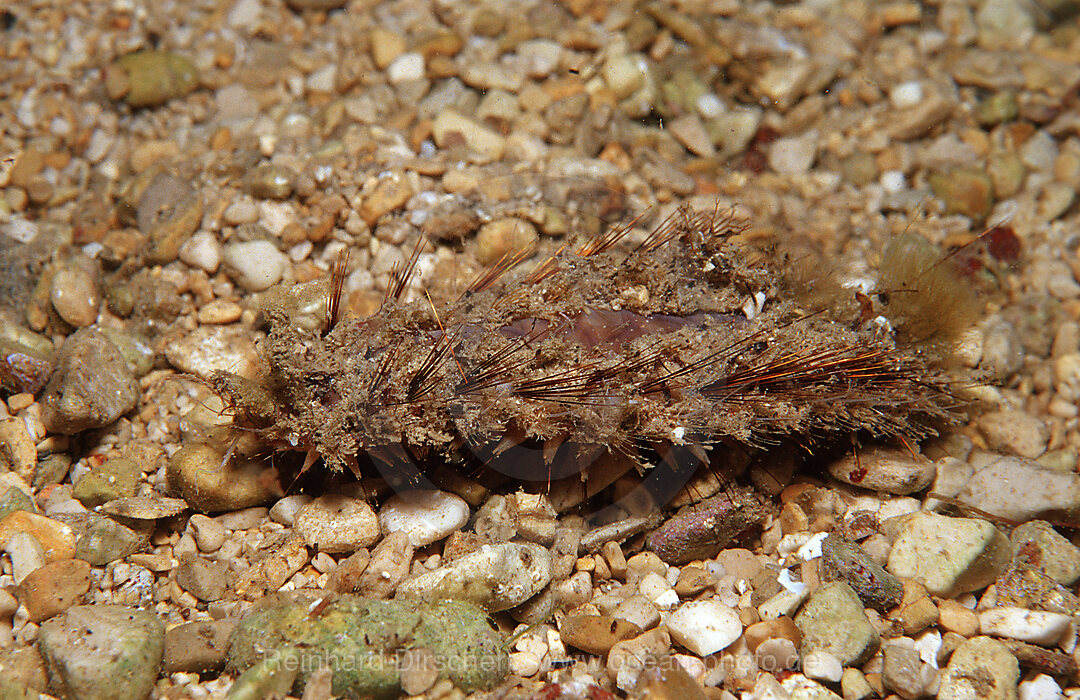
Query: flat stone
point(150, 507)
point(425, 516)
point(980, 668)
point(596, 634)
point(1020, 489)
point(1016, 432)
point(91, 387)
point(1041, 546)
point(1035, 626)
point(103, 652)
point(56, 539)
point(100, 540)
point(949, 555)
point(843, 560)
point(54, 588)
point(700, 531)
point(496, 577)
point(832, 620)
point(336, 523)
point(211, 348)
point(705, 626)
point(18, 453)
point(26, 554)
point(197, 647)
point(885, 469)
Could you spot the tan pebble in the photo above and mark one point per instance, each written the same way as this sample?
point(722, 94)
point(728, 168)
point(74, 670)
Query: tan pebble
point(57, 539)
point(75, 296)
point(693, 580)
point(220, 311)
point(916, 611)
point(793, 519)
point(54, 588)
point(781, 627)
point(17, 402)
point(954, 617)
point(148, 153)
point(386, 46)
point(345, 578)
point(390, 193)
point(389, 565)
point(18, 452)
point(616, 561)
point(627, 658)
point(504, 237)
point(639, 610)
point(27, 164)
point(596, 634)
point(452, 128)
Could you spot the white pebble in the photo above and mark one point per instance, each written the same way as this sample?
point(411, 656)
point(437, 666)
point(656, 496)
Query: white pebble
point(793, 155)
point(425, 516)
point(242, 211)
point(1041, 687)
point(275, 216)
point(256, 265)
point(407, 66)
point(906, 94)
point(709, 105)
point(893, 180)
point(705, 626)
point(26, 554)
point(822, 666)
point(1035, 626)
point(202, 251)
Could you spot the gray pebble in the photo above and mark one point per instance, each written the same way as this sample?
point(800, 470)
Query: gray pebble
point(702, 530)
point(1041, 546)
point(285, 510)
point(885, 469)
point(168, 212)
point(91, 387)
point(100, 540)
point(832, 620)
point(103, 652)
point(203, 579)
point(1020, 489)
point(1015, 432)
point(196, 647)
point(843, 560)
point(980, 667)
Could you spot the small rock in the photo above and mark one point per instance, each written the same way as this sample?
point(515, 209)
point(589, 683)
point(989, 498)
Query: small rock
point(386, 46)
point(1039, 545)
point(705, 626)
point(203, 579)
point(700, 531)
point(100, 540)
point(596, 634)
point(981, 668)
point(1016, 432)
point(149, 507)
point(954, 617)
point(209, 533)
point(269, 181)
point(964, 191)
point(949, 555)
point(425, 516)
point(504, 237)
point(496, 577)
point(113, 478)
point(75, 295)
point(692, 134)
point(13, 499)
point(22, 673)
point(832, 620)
point(196, 473)
point(55, 538)
point(220, 312)
point(388, 566)
point(214, 348)
point(150, 78)
point(91, 387)
point(627, 659)
point(168, 211)
point(624, 74)
point(197, 647)
point(822, 666)
point(345, 578)
point(26, 554)
point(18, 453)
point(639, 610)
point(255, 265)
point(369, 637)
point(885, 469)
point(54, 588)
point(202, 251)
point(914, 122)
point(1035, 626)
point(843, 560)
point(793, 155)
point(1020, 489)
point(285, 510)
point(407, 66)
point(336, 523)
point(451, 127)
point(1041, 687)
point(100, 652)
point(902, 671)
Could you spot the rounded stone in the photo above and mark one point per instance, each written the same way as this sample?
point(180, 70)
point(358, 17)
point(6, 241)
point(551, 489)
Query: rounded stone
point(336, 523)
point(197, 474)
point(426, 516)
point(885, 469)
point(255, 265)
point(75, 296)
point(705, 626)
point(91, 387)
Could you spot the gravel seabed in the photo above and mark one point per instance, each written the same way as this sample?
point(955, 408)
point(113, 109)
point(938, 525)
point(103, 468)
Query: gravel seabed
point(163, 164)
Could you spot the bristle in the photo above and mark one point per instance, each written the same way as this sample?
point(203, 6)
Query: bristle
point(337, 285)
point(401, 276)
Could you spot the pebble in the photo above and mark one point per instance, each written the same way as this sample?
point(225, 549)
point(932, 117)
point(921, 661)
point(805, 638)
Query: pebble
point(91, 386)
point(793, 155)
point(168, 211)
point(627, 659)
point(822, 666)
point(902, 671)
point(100, 540)
point(954, 617)
point(241, 211)
point(982, 668)
point(285, 510)
point(387, 567)
point(335, 523)
point(53, 588)
point(425, 516)
point(386, 46)
point(949, 555)
point(1015, 432)
point(596, 634)
point(885, 469)
point(202, 251)
point(496, 577)
point(270, 181)
point(407, 66)
point(1020, 489)
point(451, 127)
point(639, 610)
point(212, 348)
point(209, 534)
point(705, 626)
point(75, 295)
point(18, 453)
point(206, 580)
point(700, 531)
point(150, 78)
point(691, 133)
point(966, 191)
point(843, 560)
point(196, 474)
point(369, 636)
point(255, 265)
point(113, 478)
point(1041, 546)
point(504, 237)
point(832, 620)
point(197, 647)
point(1035, 626)
point(149, 507)
point(26, 554)
point(1041, 687)
point(345, 578)
point(56, 539)
point(245, 518)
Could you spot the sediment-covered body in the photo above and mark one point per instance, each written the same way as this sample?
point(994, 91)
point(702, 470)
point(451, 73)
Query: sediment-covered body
point(686, 339)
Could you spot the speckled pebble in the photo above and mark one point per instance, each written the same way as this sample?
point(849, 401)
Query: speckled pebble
point(496, 577)
point(91, 387)
point(1015, 432)
point(1020, 489)
point(1036, 626)
point(335, 523)
point(210, 348)
point(425, 516)
point(885, 469)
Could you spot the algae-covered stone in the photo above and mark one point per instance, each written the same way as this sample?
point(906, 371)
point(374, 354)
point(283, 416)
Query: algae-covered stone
point(949, 556)
point(91, 387)
point(366, 643)
point(114, 478)
point(700, 531)
point(833, 621)
point(844, 560)
point(496, 577)
point(100, 540)
point(102, 652)
point(981, 667)
point(15, 499)
point(150, 78)
point(199, 475)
